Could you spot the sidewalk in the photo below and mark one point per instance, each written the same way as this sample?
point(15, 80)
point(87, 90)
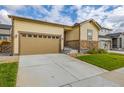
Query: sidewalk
point(116, 51)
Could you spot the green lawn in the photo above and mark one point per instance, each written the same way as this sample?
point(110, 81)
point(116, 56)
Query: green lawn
point(8, 72)
point(108, 61)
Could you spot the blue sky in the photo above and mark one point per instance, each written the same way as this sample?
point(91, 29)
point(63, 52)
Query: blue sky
point(108, 16)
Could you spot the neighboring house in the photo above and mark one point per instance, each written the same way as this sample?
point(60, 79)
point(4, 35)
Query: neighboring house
point(5, 32)
point(117, 40)
point(104, 39)
point(5, 38)
point(31, 36)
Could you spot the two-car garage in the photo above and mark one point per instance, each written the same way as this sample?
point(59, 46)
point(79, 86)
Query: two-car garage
point(31, 36)
point(35, 43)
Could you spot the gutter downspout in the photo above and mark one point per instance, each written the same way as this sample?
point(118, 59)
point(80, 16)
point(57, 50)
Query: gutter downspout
point(12, 37)
point(79, 39)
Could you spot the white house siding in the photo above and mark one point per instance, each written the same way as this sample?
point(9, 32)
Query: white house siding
point(123, 41)
point(121, 36)
point(105, 43)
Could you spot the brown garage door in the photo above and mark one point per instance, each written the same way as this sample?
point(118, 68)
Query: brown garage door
point(39, 43)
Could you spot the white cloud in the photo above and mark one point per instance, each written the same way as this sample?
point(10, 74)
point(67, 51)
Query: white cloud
point(117, 15)
point(9, 9)
point(111, 19)
point(14, 7)
point(4, 17)
point(116, 19)
point(55, 16)
point(87, 12)
point(41, 9)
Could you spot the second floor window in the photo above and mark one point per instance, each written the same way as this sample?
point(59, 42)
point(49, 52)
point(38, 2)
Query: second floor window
point(89, 35)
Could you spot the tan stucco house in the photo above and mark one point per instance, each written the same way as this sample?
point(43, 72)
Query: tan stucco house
point(31, 36)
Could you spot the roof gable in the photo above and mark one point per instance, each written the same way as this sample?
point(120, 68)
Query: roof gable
point(92, 21)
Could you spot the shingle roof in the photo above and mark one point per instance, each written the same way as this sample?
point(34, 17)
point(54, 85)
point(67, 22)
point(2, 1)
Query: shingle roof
point(107, 28)
point(25, 18)
point(115, 34)
point(12, 16)
point(4, 26)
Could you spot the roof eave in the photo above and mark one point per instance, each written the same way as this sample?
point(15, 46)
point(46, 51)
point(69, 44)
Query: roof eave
point(23, 18)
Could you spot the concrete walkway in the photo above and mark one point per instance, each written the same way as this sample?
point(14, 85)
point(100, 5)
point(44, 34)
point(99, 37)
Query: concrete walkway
point(52, 70)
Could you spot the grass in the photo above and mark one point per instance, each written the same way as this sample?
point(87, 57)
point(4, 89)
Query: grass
point(110, 61)
point(8, 72)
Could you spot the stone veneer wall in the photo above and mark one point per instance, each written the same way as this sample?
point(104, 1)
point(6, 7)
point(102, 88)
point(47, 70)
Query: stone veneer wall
point(72, 44)
point(84, 44)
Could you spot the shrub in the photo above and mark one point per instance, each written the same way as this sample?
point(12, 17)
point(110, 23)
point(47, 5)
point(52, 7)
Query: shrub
point(96, 51)
point(92, 51)
point(102, 51)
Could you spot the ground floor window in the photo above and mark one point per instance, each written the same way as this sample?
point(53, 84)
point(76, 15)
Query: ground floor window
point(89, 35)
point(4, 37)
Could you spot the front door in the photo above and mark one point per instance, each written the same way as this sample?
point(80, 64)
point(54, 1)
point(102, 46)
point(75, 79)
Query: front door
point(114, 42)
point(120, 42)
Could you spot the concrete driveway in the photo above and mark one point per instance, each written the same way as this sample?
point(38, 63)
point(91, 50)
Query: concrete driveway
point(52, 70)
